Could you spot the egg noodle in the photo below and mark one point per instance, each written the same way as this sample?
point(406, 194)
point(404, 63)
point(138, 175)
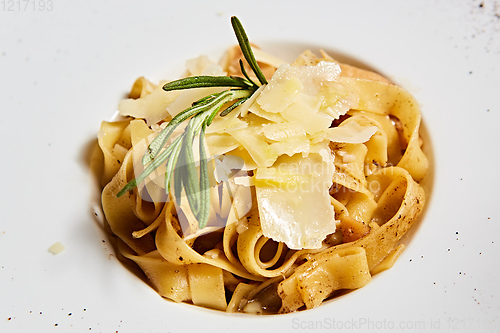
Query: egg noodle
point(314, 181)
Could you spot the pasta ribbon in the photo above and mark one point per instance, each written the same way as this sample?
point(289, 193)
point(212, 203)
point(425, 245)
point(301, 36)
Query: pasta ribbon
point(175, 250)
point(399, 203)
point(169, 280)
point(314, 281)
point(389, 99)
point(207, 286)
point(249, 254)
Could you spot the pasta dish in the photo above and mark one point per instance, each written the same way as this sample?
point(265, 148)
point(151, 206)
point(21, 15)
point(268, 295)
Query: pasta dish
point(257, 186)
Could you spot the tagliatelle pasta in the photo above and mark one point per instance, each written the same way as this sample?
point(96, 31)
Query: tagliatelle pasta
point(314, 180)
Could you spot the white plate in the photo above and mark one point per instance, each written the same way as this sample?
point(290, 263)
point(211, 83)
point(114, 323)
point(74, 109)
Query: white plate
point(64, 68)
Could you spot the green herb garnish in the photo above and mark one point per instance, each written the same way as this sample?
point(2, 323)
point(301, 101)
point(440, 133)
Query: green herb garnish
point(179, 154)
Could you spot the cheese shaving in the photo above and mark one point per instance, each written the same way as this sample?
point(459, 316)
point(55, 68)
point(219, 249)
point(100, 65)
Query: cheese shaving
point(351, 132)
point(56, 248)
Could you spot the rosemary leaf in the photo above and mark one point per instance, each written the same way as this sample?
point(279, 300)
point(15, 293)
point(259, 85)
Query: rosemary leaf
point(231, 95)
point(244, 72)
point(149, 169)
point(178, 177)
point(246, 49)
point(206, 99)
point(204, 82)
point(204, 182)
point(192, 184)
point(171, 163)
point(232, 107)
point(247, 81)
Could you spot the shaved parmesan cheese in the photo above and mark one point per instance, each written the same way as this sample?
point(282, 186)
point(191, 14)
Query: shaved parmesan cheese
point(242, 226)
point(267, 58)
point(291, 147)
point(284, 131)
point(253, 141)
point(311, 77)
point(351, 132)
point(197, 66)
point(152, 107)
point(294, 203)
point(224, 167)
point(255, 145)
point(277, 96)
point(305, 111)
point(220, 124)
point(242, 201)
point(348, 158)
point(242, 110)
point(219, 144)
point(258, 111)
point(249, 163)
point(338, 99)
point(56, 248)
point(288, 81)
point(243, 180)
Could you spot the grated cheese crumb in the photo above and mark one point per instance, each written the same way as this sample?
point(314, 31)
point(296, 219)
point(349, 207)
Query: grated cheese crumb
point(56, 248)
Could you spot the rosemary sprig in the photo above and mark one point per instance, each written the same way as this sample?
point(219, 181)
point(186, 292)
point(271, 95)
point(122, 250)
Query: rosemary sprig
point(179, 156)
